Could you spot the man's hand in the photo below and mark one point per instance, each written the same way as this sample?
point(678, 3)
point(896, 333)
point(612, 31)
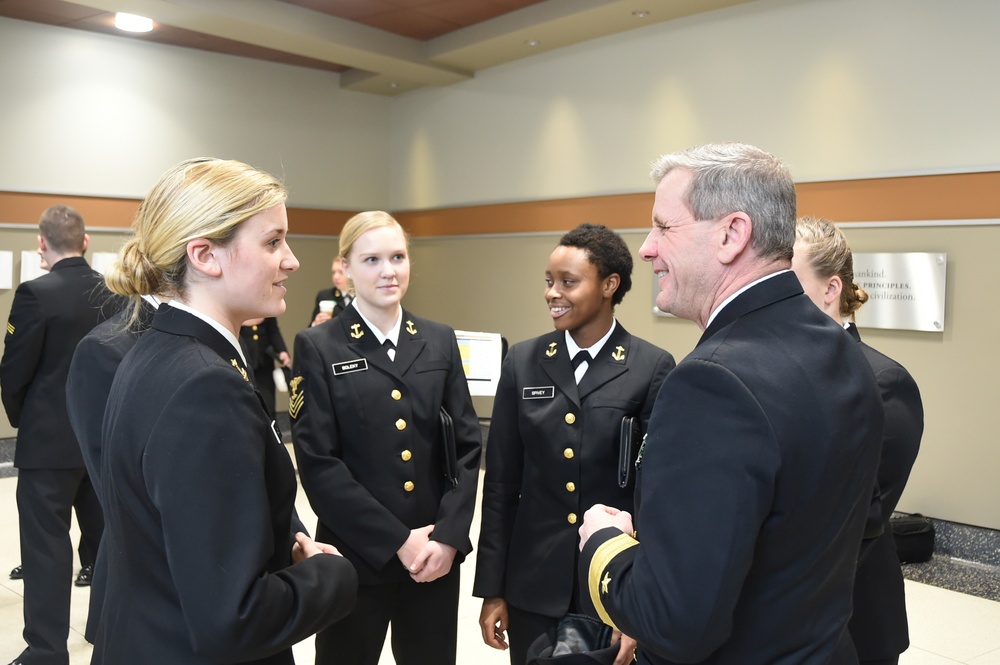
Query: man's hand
point(493, 622)
point(600, 517)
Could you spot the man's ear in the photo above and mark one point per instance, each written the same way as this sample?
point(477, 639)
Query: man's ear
point(42, 245)
point(202, 254)
point(737, 229)
point(86, 242)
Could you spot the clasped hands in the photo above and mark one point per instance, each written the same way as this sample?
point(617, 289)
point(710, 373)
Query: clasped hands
point(426, 560)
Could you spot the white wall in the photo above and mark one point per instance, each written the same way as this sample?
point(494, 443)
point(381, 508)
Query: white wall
point(91, 114)
point(835, 88)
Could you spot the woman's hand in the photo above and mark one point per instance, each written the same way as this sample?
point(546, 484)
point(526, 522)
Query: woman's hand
point(433, 561)
point(413, 546)
point(493, 622)
point(306, 547)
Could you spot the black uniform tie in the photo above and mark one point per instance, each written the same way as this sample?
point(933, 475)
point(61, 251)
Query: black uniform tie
point(390, 349)
point(580, 358)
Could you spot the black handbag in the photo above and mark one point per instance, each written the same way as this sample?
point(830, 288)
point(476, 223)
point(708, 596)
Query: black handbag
point(578, 640)
point(914, 537)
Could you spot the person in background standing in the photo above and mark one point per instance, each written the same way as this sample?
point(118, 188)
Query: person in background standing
point(336, 299)
point(824, 264)
point(48, 317)
point(264, 345)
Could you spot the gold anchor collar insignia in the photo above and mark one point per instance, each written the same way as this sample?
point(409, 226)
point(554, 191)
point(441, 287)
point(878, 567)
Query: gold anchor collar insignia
point(410, 328)
point(552, 350)
point(239, 369)
point(605, 582)
point(356, 331)
point(619, 353)
point(296, 397)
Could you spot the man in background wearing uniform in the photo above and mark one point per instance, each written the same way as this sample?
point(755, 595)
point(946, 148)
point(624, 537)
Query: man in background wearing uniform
point(48, 317)
point(331, 302)
point(755, 479)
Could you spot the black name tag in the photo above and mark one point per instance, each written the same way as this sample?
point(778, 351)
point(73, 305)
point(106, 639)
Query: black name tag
point(539, 392)
point(359, 365)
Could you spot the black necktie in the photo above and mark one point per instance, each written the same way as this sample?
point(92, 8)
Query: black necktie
point(390, 349)
point(580, 358)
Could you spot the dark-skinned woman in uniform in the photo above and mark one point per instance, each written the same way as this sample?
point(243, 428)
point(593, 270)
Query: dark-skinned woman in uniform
point(555, 441)
point(366, 402)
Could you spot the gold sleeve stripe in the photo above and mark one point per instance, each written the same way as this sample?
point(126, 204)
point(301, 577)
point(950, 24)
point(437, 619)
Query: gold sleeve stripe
point(604, 555)
point(10, 328)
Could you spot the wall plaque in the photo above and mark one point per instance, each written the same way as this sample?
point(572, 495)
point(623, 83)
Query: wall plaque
point(905, 290)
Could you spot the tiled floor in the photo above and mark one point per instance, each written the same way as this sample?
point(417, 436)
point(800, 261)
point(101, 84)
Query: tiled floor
point(946, 627)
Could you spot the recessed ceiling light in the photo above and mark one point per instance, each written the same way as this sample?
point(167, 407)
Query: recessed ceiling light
point(640, 13)
point(532, 43)
point(393, 85)
point(133, 23)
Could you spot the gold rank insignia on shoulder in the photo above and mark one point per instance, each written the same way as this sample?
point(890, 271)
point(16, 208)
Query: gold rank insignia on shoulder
point(410, 328)
point(296, 397)
point(356, 331)
point(605, 582)
point(10, 328)
point(619, 353)
point(552, 350)
point(239, 369)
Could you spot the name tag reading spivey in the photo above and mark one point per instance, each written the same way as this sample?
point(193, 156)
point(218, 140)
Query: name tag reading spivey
point(359, 365)
point(538, 392)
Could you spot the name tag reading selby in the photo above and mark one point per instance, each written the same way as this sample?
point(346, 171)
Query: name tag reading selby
point(359, 365)
point(538, 392)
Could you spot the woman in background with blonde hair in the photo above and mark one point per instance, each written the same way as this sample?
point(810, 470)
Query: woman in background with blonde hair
point(207, 561)
point(365, 399)
point(825, 266)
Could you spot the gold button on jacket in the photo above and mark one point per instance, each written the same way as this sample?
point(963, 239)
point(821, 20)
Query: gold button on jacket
point(571, 518)
point(568, 453)
point(408, 486)
point(570, 487)
point(406, 455)
point(570, 418)
point(400, 424)
point(396, 395)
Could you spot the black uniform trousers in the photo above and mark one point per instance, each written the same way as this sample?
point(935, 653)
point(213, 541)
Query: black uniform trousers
point(45, 503)
point(424, 620)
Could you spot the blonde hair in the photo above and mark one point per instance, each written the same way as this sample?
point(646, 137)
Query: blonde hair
point(828, 255)
point(198, 198)
point(362, 223)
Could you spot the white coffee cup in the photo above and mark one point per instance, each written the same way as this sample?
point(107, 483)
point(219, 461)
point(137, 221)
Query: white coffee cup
point(326, 306)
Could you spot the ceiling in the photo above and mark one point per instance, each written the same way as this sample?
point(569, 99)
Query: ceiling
point(378, 46)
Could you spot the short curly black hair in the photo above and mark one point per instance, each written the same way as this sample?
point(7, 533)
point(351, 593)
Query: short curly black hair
point(607, 251)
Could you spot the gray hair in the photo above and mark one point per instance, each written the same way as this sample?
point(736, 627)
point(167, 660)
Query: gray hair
point(731, 177)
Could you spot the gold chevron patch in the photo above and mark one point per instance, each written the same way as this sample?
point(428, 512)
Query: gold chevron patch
point(10, 328)
point(296, 397)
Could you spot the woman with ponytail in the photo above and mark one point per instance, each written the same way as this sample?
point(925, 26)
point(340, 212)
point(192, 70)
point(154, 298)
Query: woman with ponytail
point(207, 560)
point(824, 264)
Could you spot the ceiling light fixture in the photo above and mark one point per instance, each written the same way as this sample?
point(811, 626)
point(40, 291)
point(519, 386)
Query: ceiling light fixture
point(532, 43)
point(640, 13)
point(393, 85)
point(133, 23)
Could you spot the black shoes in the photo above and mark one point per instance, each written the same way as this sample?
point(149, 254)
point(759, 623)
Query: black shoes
point(83, 579)
point(85, 576)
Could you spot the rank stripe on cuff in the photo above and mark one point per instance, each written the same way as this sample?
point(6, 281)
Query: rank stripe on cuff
point(604, 555)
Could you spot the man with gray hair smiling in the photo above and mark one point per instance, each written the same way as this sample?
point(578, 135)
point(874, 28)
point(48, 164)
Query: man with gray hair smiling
point(755, 479)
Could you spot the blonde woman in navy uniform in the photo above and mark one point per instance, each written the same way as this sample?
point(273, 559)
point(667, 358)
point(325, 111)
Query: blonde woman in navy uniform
point(553, 448)
point(206, 559)
point(365, 401)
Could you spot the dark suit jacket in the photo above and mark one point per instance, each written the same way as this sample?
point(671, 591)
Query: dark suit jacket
point(91, 372)
point(199, 499)
point(340, 301)
point(754, 485)
point(878, 626)
point(535, 491)
point(48, 317)
point(365, 426)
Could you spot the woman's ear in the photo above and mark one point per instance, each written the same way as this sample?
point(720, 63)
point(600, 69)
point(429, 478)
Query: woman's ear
point(202, 254)
point(833, 289)
point(610, 285)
